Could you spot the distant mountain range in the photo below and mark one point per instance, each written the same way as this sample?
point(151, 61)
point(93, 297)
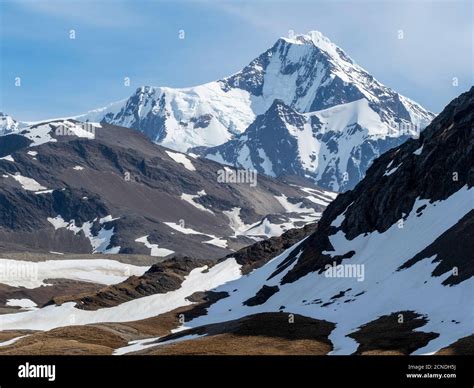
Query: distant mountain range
point(72, 187)
point(328, 116)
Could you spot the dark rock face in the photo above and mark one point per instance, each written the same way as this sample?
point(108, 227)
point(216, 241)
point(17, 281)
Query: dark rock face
point(265, 324)
point(11, 143)
point(443, 166)
point(262, 295)
point(152, 125)
point(268, 132)
point(452, 252)
point(201, 121)
point(337, 92)
point(395, 332)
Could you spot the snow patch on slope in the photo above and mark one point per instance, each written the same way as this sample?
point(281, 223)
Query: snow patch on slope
point(181, 159)
point(189, 198)
point(99, 242)
point(155, 250)
point(199, 279)
point(29, 274)
point(28, 184)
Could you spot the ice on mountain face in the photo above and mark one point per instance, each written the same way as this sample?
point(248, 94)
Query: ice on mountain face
point(190, 198)
point(350, 118)
point(8, 124)
point(267, 228)
point(334, 147)
point(182, 118)
point(97, 115)
point(43, 132)
point(40, 134)
point(291, 207)
point(266, 163)
point(216, 241)
point(418, 151)
point(320, 41)
point(319, 197)
point(43, 192)
point(101, 242)
point(338, 118)
point(236, 223)
point(8, 158)
point(183, 229)
point(391, 171)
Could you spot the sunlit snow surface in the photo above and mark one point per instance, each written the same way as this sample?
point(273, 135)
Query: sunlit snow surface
point(199, 279)
point(155, 249)
point(28, 184)
point(29, 274)
point(181, 159)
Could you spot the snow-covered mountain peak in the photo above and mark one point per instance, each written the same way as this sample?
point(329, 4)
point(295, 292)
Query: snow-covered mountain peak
point(323, 43)
point(306, 74)
point(8, 124)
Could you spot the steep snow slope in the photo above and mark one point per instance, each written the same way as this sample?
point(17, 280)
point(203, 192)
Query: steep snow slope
point(8, 124)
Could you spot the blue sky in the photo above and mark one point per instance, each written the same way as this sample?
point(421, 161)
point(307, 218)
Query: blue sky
point(140, 39)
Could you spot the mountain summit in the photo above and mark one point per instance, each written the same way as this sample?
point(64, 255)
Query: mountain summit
point(307, 72)
point(344, 117)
